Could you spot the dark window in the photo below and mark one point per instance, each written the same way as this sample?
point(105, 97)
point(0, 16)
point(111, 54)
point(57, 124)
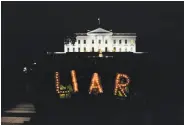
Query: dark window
point(78, 41)
point(99, 41)
point(105, 41)
point(105, 49)
point(78, 49)
point(114, 49)
point(92, 49)
point(92, 41)
point(125, 49)
point(131, 49)
point(125, 41)
point(67, 49)
point(119, 41)
point(114, 41)
point(84, 49)
point(73, 49)
point(120, 49)
point(84, 41)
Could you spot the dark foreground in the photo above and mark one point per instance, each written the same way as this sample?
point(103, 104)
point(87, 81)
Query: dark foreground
point(153, 100)
point(93, 111)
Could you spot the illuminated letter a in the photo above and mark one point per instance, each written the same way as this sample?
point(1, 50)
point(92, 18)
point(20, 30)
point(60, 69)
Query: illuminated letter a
point(95, 86)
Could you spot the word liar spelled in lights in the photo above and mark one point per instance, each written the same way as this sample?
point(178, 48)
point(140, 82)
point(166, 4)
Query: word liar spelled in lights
point(121, 88)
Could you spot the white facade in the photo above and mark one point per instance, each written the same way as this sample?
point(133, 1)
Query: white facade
point(104, 40)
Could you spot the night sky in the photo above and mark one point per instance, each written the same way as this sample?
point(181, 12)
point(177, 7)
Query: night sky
point(31, 28)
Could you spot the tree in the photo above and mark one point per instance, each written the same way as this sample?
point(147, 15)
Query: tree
point(70, 39)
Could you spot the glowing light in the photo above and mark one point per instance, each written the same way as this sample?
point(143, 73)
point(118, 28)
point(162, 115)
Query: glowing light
point(74, 81)
point(65, 91)
point(114, 49)
point(25, 69)
point(122, 82)
point(132, 42)
point(15, 120)
point(95, 86)
point(57, 79)
point(100, 53)
point(121, 87)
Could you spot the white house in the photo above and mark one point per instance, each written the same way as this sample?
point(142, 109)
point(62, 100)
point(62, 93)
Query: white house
point(102, 40)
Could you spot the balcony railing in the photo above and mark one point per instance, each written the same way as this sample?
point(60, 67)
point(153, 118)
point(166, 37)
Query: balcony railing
point(124, 34)
point(81, 34)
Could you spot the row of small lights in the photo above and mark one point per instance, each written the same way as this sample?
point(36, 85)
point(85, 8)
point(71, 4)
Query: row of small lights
point(95, 83)
point(57, 82)
point(63, 92)
point(74, 81)
point(103, 56)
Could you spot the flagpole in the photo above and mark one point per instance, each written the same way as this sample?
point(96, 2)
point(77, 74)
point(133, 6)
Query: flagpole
point(99, 21)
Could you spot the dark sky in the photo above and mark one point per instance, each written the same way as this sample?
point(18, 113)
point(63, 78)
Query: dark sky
point(29, 28)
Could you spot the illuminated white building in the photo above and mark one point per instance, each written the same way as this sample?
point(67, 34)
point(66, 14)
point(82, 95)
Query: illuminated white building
point(102, 40)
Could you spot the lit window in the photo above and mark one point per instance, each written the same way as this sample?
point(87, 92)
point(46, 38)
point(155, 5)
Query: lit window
point(105, 41)
point(84, 49)
point(119, 41)
point(114, 41)
point(105, 49)
point(78, 41)
point(114, 49)
point(78, 49)
point(99, 41)
point(125, 41)
point(73, 49)
point(92, 49)
point(132, 42)
point(92, 41)
point(67, 49)
point(84, 41)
